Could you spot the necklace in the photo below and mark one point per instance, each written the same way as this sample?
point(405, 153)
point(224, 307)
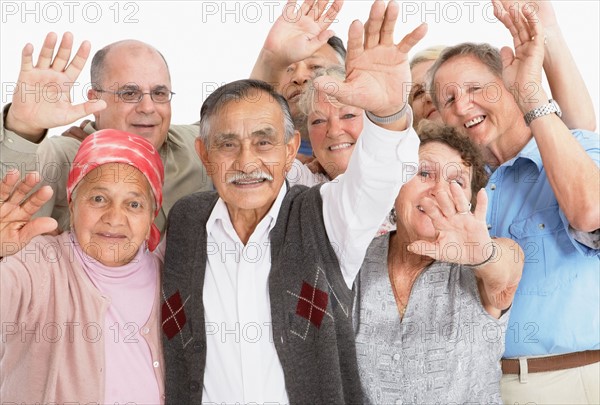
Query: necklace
point(399, 303)
point(402, 309)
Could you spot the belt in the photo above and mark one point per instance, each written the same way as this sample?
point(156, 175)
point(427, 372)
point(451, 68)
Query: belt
point(552, 363)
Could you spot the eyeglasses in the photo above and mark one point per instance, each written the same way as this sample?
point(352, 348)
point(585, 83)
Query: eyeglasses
point(136, 95)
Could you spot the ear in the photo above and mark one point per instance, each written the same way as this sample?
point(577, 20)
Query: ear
point(71, 213)
point(202, 153)
point(292, 149)
point(92, 95)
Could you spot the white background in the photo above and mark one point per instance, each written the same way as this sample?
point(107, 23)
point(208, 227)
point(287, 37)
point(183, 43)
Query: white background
point(208, 43)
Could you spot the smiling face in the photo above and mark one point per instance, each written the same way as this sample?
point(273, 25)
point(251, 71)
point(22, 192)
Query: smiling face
point(112, 211)
point(439, 164)
point(247, 156)
point(131, 65)
point(333, 129)
point(297, 75)
point(474, 100)
point(420, 97)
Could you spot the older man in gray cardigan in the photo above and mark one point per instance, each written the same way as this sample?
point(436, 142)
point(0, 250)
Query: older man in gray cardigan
point(258, 276)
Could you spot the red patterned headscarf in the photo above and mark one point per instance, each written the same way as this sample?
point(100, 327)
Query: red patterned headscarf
point(113, 146)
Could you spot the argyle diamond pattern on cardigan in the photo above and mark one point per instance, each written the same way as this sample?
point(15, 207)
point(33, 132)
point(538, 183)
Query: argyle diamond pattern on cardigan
point(312, 304)
point(173, 315)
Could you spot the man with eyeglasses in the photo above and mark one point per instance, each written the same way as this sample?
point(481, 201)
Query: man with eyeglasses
point(130, 91)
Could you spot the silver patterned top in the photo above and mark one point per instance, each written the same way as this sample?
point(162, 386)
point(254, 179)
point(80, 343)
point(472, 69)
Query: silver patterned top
point(447, 349)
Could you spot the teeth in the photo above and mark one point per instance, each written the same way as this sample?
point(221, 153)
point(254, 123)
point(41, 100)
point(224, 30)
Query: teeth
point(340, 146)
point(256, 181)
point(474, 121)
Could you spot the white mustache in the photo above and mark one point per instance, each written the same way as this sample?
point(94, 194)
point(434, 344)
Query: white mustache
point(260, 175)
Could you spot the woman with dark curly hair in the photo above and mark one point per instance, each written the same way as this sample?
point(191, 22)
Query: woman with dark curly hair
point(432, 297)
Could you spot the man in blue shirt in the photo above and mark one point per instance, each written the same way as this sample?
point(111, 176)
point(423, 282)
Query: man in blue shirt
point(544, 193)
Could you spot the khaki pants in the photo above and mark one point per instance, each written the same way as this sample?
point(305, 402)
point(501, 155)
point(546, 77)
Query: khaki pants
point(579, 385)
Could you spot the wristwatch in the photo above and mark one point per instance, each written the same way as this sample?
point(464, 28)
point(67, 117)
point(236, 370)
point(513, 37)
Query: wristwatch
point(390, 118)
point(551, 107)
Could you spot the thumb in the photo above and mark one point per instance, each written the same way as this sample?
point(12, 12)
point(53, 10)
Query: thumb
point(482, 202)
point(79, 111)
point(507, 56)
point(323, 37)
point(37, 227)
point(425, 248)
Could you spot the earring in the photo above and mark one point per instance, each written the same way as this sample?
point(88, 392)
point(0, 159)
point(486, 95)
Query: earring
point(392, 216)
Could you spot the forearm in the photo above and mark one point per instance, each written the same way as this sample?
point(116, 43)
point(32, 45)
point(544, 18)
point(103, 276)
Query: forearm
point(500, 276)
point(267, 68)
point(566, 82)
point(572, 174)
point(357, 202)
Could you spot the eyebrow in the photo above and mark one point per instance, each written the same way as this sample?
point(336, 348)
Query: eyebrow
point(107, 191)
point(136, 87)
point(267, 132)
point(224, 137)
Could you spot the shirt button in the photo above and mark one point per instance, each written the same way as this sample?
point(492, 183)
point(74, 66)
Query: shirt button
point(492, 187)
point(396, 357)
point(155, 364)
point(145, 331)
point(9, 140)
point(489, 226)
point(541, 226)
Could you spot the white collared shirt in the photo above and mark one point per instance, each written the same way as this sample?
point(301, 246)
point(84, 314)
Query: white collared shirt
point(242, 365)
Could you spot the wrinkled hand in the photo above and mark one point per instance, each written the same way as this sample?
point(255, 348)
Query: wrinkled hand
point(77, 132)
point(462, 236)
point(16, 226)
point(522, 69)
point(49, 106)
point(297, 34)
point(377, 71)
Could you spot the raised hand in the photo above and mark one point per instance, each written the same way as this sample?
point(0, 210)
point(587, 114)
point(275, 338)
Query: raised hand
point(300, 32)
point(462, 236)
point(16, 226)
point(42, 98)
point(377, 70)
point(522, 69)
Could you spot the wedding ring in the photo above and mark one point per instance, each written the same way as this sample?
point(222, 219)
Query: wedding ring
point(465, 212)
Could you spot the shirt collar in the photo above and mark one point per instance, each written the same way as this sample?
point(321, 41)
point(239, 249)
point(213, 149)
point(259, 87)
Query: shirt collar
point(529, 151)
point(221, 214)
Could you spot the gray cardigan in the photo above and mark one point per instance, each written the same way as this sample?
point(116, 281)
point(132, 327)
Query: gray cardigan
point(316, 348)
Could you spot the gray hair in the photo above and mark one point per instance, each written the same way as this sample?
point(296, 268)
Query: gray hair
point(485, 53)
point(338, 46)
point(307, 101)
point(236, 91)
point(426, 55)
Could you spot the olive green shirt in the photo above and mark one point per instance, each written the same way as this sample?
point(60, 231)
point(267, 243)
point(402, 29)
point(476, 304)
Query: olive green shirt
point(16, 152)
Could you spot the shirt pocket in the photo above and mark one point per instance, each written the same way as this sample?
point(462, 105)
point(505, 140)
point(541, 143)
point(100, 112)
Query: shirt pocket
point(541, 236)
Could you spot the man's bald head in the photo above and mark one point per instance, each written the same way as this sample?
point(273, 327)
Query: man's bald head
point(130, 46)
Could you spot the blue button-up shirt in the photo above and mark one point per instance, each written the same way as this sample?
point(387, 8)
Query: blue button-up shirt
point(556, 307)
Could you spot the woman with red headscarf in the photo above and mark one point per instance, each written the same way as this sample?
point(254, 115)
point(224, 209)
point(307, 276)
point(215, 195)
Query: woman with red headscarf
point(80, 310)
